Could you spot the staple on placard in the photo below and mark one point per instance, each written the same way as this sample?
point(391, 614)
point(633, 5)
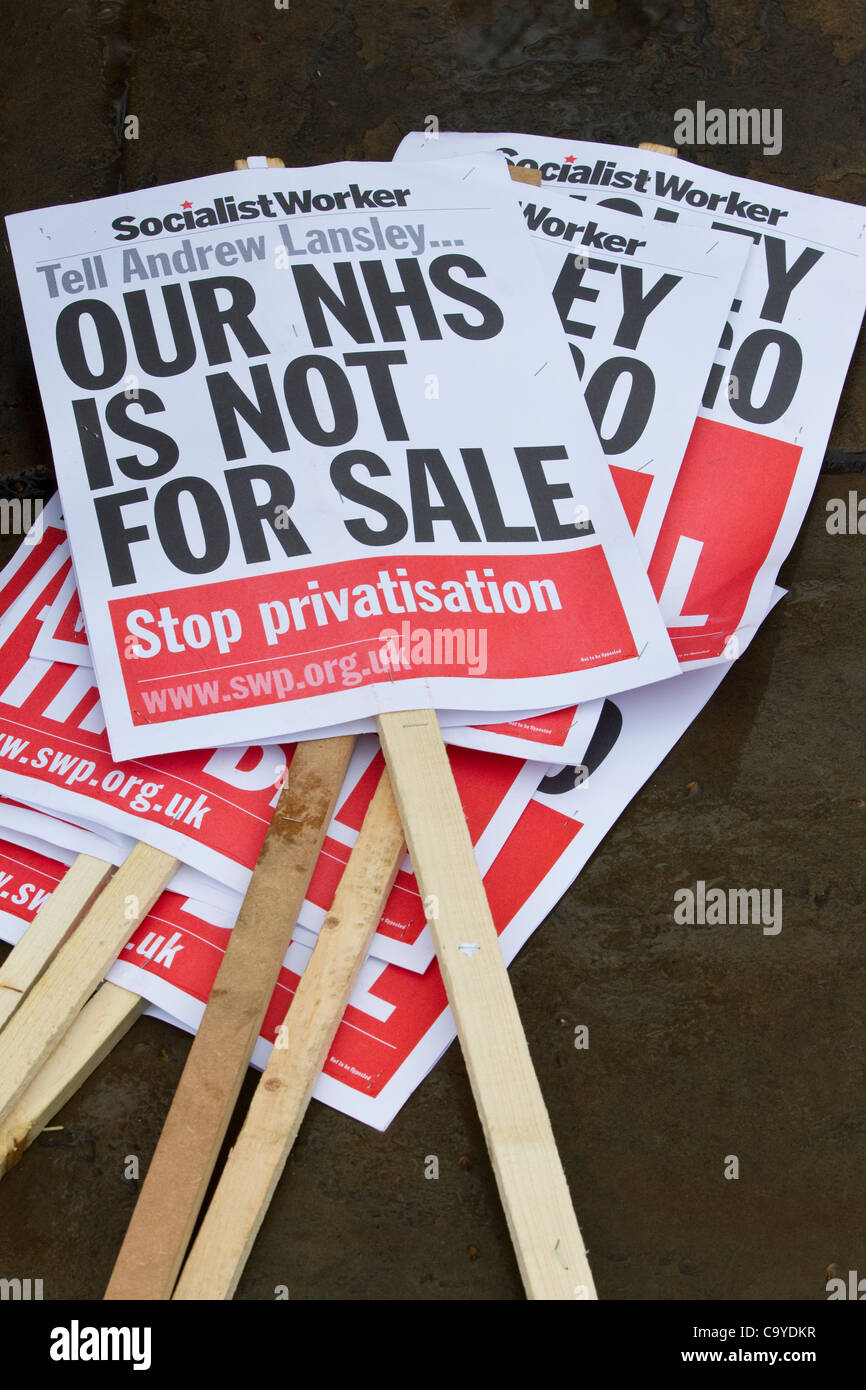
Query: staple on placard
point(558, 1256)
point(469, 948)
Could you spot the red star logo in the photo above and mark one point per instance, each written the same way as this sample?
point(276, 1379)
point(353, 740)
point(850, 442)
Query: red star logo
point(569, 159)
point(186, 205)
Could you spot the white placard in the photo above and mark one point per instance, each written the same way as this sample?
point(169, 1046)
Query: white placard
point(292, 410)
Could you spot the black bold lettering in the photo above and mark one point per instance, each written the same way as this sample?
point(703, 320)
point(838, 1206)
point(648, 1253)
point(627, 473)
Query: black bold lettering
point(781, 281)
point(607, 731)
point(71, 347)
point(569, 287)
point(314, 292)
point(118, 419)
point(117, 537)
point(214, 321)
point(414, 296)
point(252, 516)
point(491, 314)
point(637, 408)
point(378, 365)
point(172, 532)
point(263, 417)
point(296, 387)
point(484, 491)
point(92, 442)
point(396, 524)
point(785, 380)
point(542, 493)
point(424, 464)
point(714, 381)
point(638, 306)
point(150, 359)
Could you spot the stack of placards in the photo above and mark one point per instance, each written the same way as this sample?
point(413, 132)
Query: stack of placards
point(357, 463)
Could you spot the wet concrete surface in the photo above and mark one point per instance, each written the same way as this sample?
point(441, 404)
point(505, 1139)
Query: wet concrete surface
point(705, 1042)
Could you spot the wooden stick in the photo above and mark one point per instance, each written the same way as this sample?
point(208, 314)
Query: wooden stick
point(54, 1002)
point(102, 1023)
point(53, 924)
point(179, 1172)
point(529, 1174)
point(256, 1162)
point(659, 149)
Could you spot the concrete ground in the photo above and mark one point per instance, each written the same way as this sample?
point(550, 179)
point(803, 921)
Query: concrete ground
point(704, 1042)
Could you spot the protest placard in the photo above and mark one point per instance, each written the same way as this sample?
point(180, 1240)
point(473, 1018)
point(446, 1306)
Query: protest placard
point(768, 403)
point(328, 442)
point(643, 309)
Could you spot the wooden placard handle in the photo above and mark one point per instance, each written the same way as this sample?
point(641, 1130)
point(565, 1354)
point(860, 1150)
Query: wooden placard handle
point(180, 1170)
point(102, 1023)
point(54, 1002)
point(259, 1155)
point(53, 924)
point(659, 149)
point(532, 1184)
